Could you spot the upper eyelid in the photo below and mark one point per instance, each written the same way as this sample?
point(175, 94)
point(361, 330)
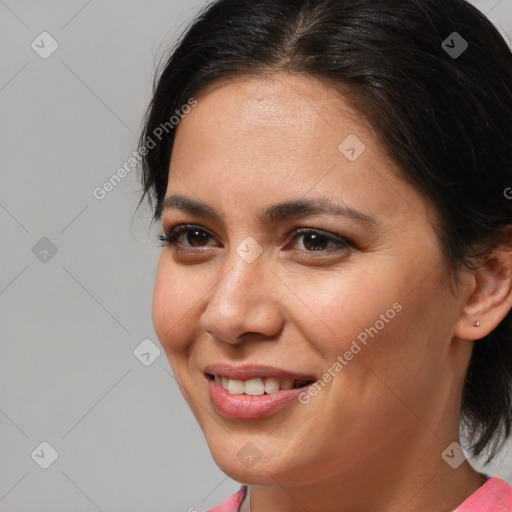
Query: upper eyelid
point(183, 228)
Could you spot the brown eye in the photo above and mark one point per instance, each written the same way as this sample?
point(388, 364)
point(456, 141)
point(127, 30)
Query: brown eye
point(318, 241)
point(193, 236)
point(313, 240)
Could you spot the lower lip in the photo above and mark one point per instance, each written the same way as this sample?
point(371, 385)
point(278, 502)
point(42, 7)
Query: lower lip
point(249, 407)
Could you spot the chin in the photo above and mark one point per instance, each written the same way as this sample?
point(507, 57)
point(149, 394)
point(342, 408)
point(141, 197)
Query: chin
point(248, 465)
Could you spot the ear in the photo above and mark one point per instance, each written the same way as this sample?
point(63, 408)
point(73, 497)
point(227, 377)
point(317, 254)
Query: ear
point(489, 296)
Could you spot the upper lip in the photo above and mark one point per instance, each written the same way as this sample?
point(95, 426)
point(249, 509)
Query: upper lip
point(250, 371)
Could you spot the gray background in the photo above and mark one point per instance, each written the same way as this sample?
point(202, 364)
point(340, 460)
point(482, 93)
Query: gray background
point(70, 321)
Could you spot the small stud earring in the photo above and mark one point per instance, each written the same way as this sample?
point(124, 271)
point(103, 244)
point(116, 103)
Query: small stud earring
point(476, 324)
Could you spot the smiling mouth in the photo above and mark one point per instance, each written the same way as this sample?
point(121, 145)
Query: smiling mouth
point(257, 386)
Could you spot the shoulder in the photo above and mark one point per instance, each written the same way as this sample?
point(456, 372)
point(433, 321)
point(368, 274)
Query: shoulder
point(495, 495)
point(232, 504)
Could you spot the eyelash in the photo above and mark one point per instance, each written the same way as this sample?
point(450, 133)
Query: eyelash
point(171, 234)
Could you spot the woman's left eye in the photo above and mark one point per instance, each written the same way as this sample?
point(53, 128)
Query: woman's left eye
point(320, 239)
point(313, 240)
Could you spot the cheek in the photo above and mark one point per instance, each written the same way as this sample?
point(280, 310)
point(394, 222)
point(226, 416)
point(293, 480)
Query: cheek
point(162, 300)
point(386, 331)
point(174, 296)
point(400, 372)
point(333, 309)
point(386, 303)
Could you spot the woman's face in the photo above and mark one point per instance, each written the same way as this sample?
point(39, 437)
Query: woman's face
point(356, 301)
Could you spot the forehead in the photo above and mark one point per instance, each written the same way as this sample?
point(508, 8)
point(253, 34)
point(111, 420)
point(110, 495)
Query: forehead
point(274, 138)
point(280, 103)
point(252, 123)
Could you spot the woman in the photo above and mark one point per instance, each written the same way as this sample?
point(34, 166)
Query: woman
point(334, 290)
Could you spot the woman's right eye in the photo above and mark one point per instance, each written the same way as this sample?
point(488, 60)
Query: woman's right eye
point(194, 235)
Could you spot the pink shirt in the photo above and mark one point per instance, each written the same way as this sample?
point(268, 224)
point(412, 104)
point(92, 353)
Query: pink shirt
point(495, 495)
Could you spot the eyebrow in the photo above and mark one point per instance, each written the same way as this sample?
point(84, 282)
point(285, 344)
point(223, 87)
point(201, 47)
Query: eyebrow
point(273, 214)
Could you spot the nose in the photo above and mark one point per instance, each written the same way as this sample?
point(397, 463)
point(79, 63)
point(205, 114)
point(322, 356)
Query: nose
point(243, 304)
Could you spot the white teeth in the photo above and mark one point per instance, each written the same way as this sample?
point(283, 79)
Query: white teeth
point(235, 387)
point(254, 387)
point(271, 385)
point(287, 384)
